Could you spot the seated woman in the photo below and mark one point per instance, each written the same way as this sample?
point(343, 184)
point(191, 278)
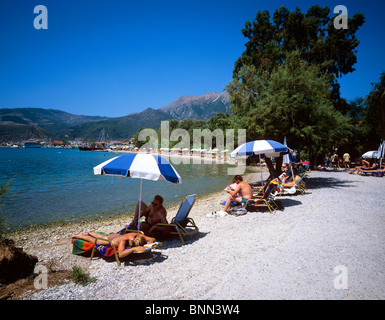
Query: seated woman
point(291, 183)
point(134, 240)
point(285, 172)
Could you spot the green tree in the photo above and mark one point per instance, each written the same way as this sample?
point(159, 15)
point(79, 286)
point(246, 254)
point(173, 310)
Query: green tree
point(292, 100)
point(376, 105)
point(372, 129)
point(312, 34)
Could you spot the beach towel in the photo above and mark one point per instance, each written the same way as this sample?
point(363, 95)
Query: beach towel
point(233, 203)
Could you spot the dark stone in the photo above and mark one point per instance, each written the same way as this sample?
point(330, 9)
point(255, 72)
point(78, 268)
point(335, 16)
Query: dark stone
point(14, 262)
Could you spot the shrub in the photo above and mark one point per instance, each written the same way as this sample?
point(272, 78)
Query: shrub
point(80, 277)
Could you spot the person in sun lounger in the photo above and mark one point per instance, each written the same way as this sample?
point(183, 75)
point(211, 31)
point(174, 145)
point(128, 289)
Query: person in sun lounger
point(289, 184)
point(134, 240)
point(367, 166)
point(154, 213)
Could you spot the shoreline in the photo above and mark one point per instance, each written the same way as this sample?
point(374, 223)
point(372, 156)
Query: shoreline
point(47, 220)
point(290, 254)
point(111, 214)
point(51, 226)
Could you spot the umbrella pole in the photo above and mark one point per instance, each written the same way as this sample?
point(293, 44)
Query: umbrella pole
point(140, 204)
point(260, 166)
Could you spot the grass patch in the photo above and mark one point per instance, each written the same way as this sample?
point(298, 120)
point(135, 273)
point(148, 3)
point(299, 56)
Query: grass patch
point(80, 277)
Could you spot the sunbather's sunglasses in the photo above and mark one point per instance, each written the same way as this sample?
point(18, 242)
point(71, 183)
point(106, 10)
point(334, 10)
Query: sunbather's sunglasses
point(154, 204)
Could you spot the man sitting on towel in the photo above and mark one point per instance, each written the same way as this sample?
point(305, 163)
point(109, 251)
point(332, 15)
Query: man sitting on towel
point(242, 188)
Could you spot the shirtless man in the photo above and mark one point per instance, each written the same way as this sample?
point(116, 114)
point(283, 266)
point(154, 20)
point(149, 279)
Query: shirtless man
point(154, 213)
point(136, 241)
point(365, 166)
point(240, 194)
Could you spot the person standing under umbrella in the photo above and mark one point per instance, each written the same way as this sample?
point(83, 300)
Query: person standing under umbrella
point(154, 213)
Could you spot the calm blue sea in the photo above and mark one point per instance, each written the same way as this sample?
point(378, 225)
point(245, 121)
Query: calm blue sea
point(52, 185)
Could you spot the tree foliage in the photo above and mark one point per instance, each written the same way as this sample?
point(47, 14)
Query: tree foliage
point(372, 128)
point(312, 34)
point(292, 100)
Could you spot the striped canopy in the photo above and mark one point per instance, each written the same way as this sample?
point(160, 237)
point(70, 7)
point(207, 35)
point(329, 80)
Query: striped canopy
point(142, 166)
point(270, 148)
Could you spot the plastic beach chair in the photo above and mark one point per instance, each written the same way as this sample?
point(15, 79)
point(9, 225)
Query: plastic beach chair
point(299, 186)
point(181, 224)
point(267, 200)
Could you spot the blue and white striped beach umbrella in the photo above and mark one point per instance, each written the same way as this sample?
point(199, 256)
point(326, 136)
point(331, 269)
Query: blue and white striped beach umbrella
point(141, 166)
point(270, 148)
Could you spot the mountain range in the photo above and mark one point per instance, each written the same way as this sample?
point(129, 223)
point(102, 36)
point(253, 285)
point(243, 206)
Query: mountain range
point(20, 124)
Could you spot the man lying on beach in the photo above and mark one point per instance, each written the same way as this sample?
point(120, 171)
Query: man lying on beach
point(154, 213)
point(367, 166)
point(135, 240)
point(240, 194)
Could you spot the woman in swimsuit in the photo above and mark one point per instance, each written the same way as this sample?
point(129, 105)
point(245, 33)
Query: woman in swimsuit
point(135, 240)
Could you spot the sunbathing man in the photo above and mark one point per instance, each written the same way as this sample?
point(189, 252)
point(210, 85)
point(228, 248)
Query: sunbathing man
point(154, 213)
point(135, 240)
point(240, 194)
point(366, 166)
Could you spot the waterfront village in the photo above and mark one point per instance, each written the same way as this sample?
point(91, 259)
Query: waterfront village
point(117, 146)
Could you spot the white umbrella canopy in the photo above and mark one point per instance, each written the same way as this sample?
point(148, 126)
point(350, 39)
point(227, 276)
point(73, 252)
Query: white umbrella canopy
point(370, 154)
point(141, 166)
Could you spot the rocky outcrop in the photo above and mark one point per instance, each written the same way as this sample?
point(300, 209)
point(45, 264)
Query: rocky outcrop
point(202, 107)
point(14, 262)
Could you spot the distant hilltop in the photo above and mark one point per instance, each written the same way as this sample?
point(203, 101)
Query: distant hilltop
point(21, 124)
point(199, 107)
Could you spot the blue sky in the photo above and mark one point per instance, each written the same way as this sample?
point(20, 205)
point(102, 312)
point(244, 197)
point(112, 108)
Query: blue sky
point(116, 57)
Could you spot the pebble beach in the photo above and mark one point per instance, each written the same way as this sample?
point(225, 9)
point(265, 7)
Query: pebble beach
point(326, 244)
